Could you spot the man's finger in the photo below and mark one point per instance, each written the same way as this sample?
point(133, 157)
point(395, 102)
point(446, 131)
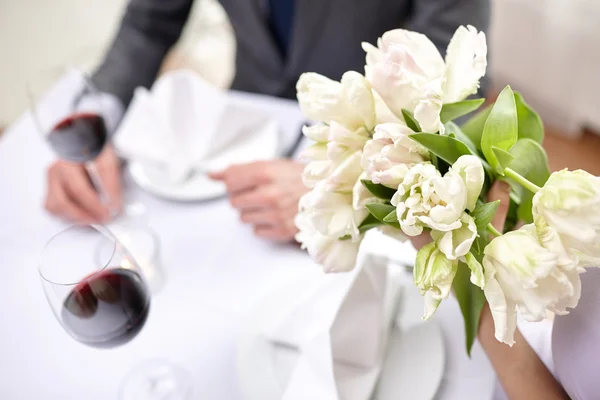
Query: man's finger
point(263, 216)
point(110, 174)
point(80, 191)
point(262, 197)
point(500, 190)
point(242, 177)
point(60, 204)
point(274, 233)
point(217, 175)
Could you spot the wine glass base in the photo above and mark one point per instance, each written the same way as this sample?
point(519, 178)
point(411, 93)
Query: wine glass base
point(156, 380)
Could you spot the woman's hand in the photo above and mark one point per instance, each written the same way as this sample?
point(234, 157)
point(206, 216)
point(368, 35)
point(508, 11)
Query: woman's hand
point(500, 190)
point(519, 369)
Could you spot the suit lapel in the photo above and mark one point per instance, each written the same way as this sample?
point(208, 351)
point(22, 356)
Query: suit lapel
point(309, 19)
point(260, 12)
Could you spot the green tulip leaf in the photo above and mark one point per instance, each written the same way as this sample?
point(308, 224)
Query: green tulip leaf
point(473, 128)
point(503, 157)
point(445, 147)
point(451, 111)
point(380, 211)
point(471, 300)
point(531, 162)
point(455, 130)
point(530, 123)
point(391, 217)
point(410, 120)
point(369, 223)
point(484, 213)
point(501, 128)
point(378, 190)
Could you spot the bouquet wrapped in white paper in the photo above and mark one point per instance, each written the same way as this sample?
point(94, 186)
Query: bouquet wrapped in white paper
point(388, 156)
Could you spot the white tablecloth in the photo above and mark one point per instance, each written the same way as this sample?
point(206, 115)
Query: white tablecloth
point(209, 257)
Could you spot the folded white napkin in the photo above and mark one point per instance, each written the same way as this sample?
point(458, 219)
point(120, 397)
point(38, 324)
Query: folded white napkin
point(340, 330)
point(184, 125)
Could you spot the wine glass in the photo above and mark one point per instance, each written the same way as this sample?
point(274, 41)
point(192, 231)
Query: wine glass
point(77, 129)
point(99, 295)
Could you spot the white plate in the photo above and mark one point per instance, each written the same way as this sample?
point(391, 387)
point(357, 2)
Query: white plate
point(198, 187)
point(413, 367)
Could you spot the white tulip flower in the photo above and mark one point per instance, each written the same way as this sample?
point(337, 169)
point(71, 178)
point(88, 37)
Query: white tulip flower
point(433, 275)
point(331, 213)
point(318, 133)
point(413, 197)
point(521, 274)
point(344, 176)
point(426, 199)
point(408, 72)
point(567, 211)
point(388, 156)
point(315, 152)
point(332, 254)
point(447, 202)
point(316, 171)
point(349, 102)
point(343, 142)
point(335, 158)
point(457, 242)
point(471, 171)
point(383, 113)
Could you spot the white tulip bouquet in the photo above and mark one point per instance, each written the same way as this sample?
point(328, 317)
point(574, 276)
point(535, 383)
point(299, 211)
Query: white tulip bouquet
point(387, 156)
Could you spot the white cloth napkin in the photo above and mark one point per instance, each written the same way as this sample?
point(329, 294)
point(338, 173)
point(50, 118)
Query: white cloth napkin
point(184, 125)
point(340, 331)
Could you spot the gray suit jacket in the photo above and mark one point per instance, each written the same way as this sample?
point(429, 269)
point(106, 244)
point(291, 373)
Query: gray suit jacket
point(326, 38)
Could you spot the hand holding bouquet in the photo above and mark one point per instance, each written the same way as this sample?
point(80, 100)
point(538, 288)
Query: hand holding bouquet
point(388, 156)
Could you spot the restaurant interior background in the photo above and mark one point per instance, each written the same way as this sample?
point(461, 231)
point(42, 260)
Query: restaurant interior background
point(547, 49)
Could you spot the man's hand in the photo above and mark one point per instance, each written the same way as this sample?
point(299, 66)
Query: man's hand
point(266, 193)
point(71, 195)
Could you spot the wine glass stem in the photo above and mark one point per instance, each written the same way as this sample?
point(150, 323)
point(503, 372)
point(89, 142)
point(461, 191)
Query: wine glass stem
point(96, 179)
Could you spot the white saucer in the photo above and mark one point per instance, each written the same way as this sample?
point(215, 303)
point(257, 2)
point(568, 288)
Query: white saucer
point(198, 187)
point(413, 367)
point(245, 134)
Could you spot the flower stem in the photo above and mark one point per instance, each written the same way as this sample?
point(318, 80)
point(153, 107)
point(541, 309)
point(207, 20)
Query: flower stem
point(514, 175)
point(493, 230)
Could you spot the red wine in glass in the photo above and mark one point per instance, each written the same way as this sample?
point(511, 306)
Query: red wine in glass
point(107, 309)
point(79, 138)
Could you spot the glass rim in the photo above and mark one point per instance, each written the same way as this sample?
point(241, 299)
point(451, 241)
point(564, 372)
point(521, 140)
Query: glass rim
point(101, 229)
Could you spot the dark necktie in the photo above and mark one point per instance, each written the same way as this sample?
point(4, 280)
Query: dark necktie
point(280, 21)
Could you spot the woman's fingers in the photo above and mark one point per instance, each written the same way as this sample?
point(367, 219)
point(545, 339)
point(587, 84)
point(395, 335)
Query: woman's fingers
point(500, 190)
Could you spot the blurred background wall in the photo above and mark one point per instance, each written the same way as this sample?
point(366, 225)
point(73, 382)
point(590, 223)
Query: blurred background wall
point(547, 49)
point(44, 35)
point(550, 50)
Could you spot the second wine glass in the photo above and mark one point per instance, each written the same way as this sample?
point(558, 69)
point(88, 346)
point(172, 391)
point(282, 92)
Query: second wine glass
point(100, 296)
